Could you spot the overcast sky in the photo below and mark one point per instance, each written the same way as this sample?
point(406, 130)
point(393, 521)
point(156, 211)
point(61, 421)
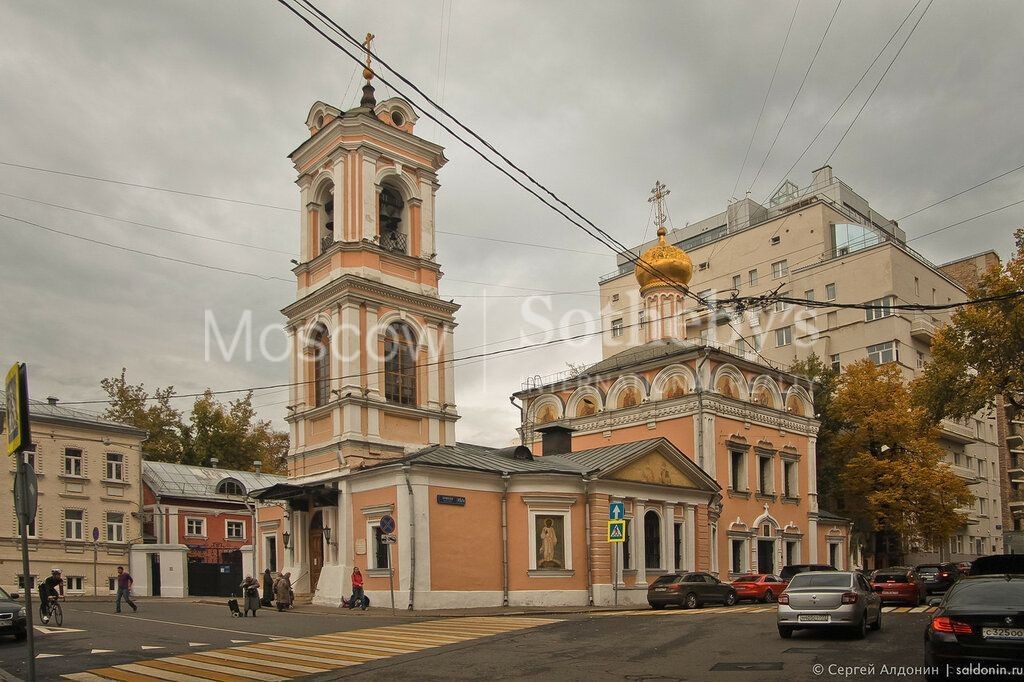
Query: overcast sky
point(597, 99)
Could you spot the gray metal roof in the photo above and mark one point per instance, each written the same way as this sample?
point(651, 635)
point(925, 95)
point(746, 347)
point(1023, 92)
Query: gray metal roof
point(652, 350)
point(825, 515)
point(598, 459)
point(183, 480)
point(47, 412)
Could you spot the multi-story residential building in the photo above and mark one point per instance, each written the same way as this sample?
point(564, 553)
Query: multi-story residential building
point(823, 242)
point(90, 497)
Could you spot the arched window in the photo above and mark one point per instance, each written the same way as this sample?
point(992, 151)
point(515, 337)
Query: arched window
point(652, 540)
point(392, 238)
point(400, 364)
point(326, 228)
point(230, 486)
point(727, 387)
point(321, 367)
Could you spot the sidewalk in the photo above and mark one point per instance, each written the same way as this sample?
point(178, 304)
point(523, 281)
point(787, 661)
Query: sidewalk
point(385, 611)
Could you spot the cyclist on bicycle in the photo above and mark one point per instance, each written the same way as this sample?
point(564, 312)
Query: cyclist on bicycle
point(51, 587)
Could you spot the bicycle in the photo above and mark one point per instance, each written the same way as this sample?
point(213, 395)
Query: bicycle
point(51, 610)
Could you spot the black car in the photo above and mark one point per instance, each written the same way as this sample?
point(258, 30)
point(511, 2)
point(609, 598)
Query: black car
point(689, 590)
point(789, 571)
point(998, 564)
point(978, 626)
point(938, 577)
point(12, 616)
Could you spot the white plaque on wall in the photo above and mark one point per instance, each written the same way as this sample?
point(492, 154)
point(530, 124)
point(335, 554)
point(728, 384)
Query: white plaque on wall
point(361, 546)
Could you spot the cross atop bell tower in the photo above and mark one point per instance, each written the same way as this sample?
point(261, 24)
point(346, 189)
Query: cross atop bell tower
point(657, 198)
point(368, 101)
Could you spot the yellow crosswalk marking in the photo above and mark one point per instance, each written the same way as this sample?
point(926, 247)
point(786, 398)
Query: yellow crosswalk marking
point(284, 659)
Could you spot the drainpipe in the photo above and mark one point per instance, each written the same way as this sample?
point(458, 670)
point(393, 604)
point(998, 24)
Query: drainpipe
point(522, 420)
point(412, 539)
point(590, 565)
point(505, 478)
point(700, 411)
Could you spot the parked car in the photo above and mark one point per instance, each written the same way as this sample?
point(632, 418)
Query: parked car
point(964, 567)
point(899, 584)
point(980, 622)
point(758, 587)
point(938, 577)
point(998, 564)
point(788, 572)
point(13, 620)
point(689, 590)
point(829, 599)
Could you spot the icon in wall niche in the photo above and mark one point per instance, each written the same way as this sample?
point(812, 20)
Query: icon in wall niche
point(550, 549)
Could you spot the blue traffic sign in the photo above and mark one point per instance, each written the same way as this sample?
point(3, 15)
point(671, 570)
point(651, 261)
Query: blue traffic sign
point(617, 510)
point(387, 524)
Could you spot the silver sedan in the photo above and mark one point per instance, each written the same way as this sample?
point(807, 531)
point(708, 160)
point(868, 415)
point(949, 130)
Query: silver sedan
point(829, 599)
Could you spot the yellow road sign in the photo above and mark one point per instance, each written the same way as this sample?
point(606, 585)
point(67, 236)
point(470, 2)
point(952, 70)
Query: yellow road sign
point(16, 412)
point(617, 531)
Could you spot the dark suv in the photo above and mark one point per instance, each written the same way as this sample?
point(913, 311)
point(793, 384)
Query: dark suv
point(12, 616)
point(789, 571)
point(938, 577)
point(998, 564)
point(689, 590)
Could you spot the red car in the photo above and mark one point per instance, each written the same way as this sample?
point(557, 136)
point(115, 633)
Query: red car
point(899, 584)
point(759, 587)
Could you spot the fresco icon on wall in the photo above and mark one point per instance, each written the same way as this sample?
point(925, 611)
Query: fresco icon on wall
point(550, 550)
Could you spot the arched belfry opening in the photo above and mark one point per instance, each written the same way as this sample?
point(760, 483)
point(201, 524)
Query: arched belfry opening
point(325, 198)
point(400, 347)
point(394, 233)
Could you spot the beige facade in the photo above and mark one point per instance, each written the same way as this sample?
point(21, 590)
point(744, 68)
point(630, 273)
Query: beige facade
point(89, 472)
point(825, 243)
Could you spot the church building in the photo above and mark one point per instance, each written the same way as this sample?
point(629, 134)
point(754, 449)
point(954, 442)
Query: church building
point(712, 455)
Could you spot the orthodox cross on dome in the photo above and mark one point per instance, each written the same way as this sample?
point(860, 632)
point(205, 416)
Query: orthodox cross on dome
point(367, 42)
point(368, 101)
point(658, 195)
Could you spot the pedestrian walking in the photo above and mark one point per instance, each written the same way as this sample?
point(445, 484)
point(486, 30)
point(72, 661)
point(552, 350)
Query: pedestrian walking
point(283, 591)
point(251, 595)
point(124, 589)
point(268, 589)
point(357, 589)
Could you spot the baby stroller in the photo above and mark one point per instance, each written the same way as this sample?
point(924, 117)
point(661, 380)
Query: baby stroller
point(352, 602)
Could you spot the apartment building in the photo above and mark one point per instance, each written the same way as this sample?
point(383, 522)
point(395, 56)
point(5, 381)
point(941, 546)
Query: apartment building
point(90, 496)
point(822, 242)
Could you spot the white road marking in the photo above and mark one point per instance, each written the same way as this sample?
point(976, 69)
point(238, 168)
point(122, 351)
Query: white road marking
point(49, 655)
point(84, 677)
point(203, 665)
point(241, 641)
point(101, 651)
point(120, 616)
point(199, 644)
point(147, 648)
point(158, 673)
point(230, 655)
point(920, 609)
point(51, 630)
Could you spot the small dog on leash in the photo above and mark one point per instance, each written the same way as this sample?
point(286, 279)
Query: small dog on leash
point(233, 607)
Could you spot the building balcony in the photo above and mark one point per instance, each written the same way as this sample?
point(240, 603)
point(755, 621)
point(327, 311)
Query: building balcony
point(395, 242)
point(959, 433)
point(923, 330)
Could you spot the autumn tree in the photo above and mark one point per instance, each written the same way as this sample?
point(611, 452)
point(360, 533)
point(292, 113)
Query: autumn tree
point(133, 405)
point(979, 356)
point(894, 481)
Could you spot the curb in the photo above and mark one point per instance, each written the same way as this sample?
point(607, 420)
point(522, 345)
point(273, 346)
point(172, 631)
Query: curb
point(7, 677)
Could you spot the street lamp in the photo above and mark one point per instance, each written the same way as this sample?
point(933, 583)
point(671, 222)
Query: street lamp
point(327, 535)
point(287, 536)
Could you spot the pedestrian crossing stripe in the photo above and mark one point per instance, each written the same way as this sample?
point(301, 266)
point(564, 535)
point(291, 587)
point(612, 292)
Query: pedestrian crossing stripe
point(290, 658)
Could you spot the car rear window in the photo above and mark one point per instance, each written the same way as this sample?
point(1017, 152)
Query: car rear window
point(665, 579)
point(930, 570)
point(986, 593)
point(890, 578)
point(820, 580)
point(746, 579)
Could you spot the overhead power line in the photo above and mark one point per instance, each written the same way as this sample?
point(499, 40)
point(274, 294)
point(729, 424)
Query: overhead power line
point(963, 191)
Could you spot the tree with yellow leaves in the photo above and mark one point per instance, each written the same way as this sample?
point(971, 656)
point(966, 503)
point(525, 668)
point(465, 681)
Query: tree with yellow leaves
point(895, 484)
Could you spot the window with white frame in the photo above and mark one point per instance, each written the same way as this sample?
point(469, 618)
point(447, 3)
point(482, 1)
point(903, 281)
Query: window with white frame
point(72, 462)
point(75, 583)
point(879, 308)
point(737, 281)
point(809, 295)
point(627, 545)
point(783, 336)
point(836, 365)
point(752, 278)
point(780, 306)
point(835, 554)
point(617, 327)
point(789, 481)
point(780, 269)
point(114, 467)
point(764, 475)
point(830, 292)
point(642, 319)
point(792, 552)
point(737, 470)
point(74, 520)
point(115, 527)
point(738, 555)
point(881, 353)
point(377, 553)
point(234, 530)
point(195, 526)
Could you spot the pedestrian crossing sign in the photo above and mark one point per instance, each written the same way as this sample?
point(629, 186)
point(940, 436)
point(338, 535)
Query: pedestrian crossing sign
point(616, 531)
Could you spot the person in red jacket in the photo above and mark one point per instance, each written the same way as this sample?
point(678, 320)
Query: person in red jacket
point(357, 589)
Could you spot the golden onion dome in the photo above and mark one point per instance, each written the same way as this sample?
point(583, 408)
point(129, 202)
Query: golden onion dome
point(667, 263)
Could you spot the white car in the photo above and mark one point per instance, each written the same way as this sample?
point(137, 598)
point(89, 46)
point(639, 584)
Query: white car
point(829, 599)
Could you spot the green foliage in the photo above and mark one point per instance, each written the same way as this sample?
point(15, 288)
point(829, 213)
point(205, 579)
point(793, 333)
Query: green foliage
point(228, 433)
point(979, 355)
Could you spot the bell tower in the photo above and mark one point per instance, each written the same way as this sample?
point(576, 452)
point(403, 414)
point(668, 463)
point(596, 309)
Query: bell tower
point(372, 343)
point(663, 273)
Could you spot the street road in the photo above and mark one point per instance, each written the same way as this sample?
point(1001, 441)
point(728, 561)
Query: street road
point(185, 641)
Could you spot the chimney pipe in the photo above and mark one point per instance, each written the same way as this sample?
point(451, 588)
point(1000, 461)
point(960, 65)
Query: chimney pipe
point(213, 462)
point(52, 399)
point(256, 465)
point(556, 439)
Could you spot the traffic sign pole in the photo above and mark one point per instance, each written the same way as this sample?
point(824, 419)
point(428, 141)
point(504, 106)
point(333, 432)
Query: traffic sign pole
point(387, 526)
point(616, 520)
point(19, 441)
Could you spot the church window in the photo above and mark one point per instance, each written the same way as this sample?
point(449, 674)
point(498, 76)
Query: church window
point(321, 367)
point(627, 543)
point(400, 364)
point(652, 540)
point(737, 470)
point(326, 228)
point(392, 238)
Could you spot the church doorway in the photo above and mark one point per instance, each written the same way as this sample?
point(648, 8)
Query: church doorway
point(652, 540)
point(316, 550)
point(766, 550)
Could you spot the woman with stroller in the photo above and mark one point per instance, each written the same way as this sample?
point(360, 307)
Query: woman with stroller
point(251, 595)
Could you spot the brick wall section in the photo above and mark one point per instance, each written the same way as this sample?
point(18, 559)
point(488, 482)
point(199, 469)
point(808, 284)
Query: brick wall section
point(600, 548)
point(967, 271)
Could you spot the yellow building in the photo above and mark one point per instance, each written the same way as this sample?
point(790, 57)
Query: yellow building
point(89, 472)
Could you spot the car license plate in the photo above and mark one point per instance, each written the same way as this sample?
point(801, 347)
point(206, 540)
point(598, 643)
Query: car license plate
point(5, 623)
point(1002, 633)
point(890, 593)
point(813, 618)
point(661, 589)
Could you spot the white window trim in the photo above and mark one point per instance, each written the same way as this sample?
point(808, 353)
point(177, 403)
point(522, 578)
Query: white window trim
point(838, 544)
point(796, 552)
point(106, 467)
point(227, 524)
point(123, 524)
point(795, 487)
point(744, 555)
point(81, 526)
point(566, 514)
point(782, 332)
point(371, 547)
point(201, 520)
point(769, 483)
point(64, 462)
point(70, 589)
point(744, 473)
